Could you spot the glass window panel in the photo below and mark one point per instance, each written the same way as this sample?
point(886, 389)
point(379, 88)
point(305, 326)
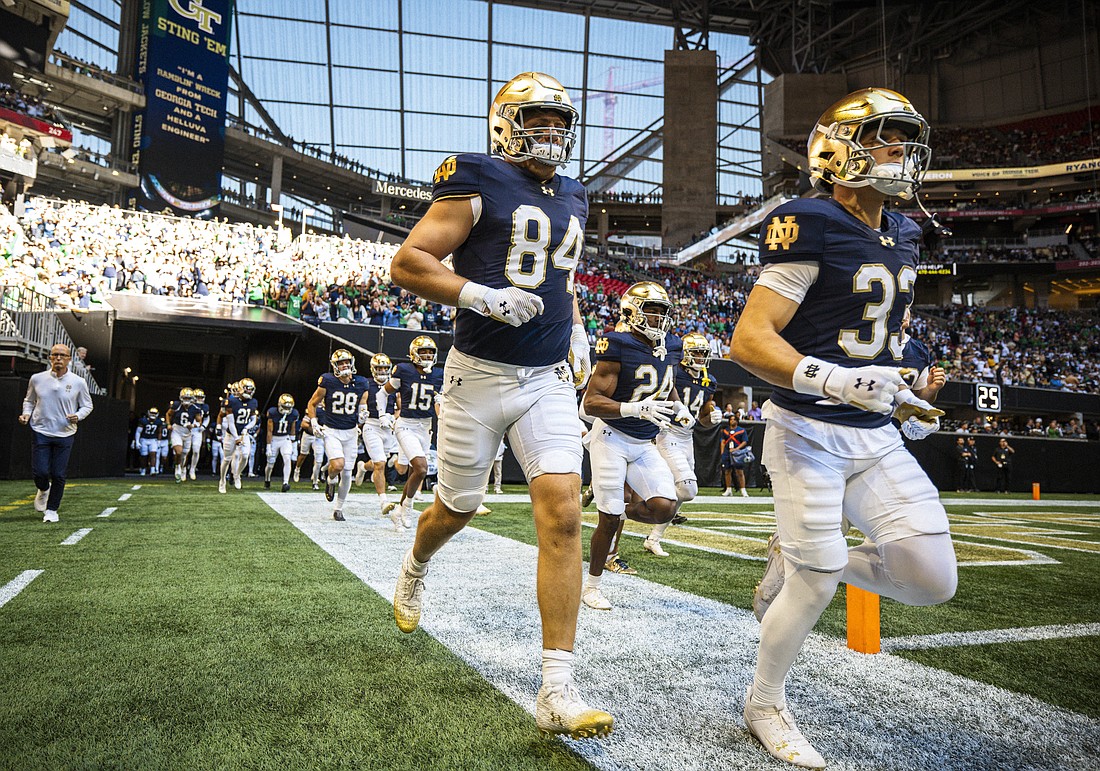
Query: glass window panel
point(375, 13)
point(431, 54)
point(364, 88)
point(448, 96)
point(286, 81)
point(446, 134)
point(510, 60)
point(304, 122)
point(536, 27)
point(364, 48)
point(460, 18)
point(368, 127)
point(629, 38)
point(287, 39)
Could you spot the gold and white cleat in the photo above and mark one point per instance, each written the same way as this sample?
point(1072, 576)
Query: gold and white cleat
point(407, 596)
point(561, 710)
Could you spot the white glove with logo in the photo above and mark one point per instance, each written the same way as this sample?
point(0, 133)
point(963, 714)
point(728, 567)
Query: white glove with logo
point(579, 357)
point(917, 429)
point(683, 416)
point(657, 412)
point(386, 421)
point(715, 416)
point(512, 305)
point(318, 430)
point(868, 388)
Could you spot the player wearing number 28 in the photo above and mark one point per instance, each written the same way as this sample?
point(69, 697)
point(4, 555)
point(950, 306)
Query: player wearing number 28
point(333, 410)
point(823, 325)
point(516, 230)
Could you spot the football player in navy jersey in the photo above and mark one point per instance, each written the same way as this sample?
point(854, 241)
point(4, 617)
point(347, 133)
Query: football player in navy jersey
point(182, 415)
point(516, 230)
point(632, 396)
point(376, 420)
point(419, 383)
point(146, 437)
point(928, 380)
point(310, 442)
point(823, 325)
point(239, 415)
point(282, 426)
point(696, 387)
point(333, 411)
point(198, 431)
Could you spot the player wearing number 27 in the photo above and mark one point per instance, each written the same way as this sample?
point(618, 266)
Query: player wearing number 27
point(824, 325)
point(516, 230)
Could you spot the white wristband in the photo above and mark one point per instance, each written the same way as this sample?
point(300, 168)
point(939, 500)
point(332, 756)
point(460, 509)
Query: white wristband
point(810, 376)
point(472, 295)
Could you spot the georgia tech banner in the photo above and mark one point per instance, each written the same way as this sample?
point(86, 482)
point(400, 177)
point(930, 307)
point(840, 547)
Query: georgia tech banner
point(1022, 172)
point(179, 140)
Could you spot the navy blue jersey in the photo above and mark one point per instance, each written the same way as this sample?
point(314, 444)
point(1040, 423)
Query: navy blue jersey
point(732, 438)
point(917, 356)
point(694, 391)
point(641, 375)
point(284, 424)
point(341, 405)
point(204, 408)
point(852, 314)
point(185, 415)
point(418, 389)
point(241, 411)
point(150, 427)
point(530, 235)
point(372, 401)
point(163, 432)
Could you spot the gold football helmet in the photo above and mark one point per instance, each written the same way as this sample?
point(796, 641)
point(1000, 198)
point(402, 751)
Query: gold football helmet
point(422, 352)
point(153, 413)
point(839, 147)
point(642, 301)
point(343, 363)
point(248, 388)
point(697, 353)
point(235, 388)
point(523, 94)
point(286, 403)
point(200, 396)
point(187, 396)
point(380, 367)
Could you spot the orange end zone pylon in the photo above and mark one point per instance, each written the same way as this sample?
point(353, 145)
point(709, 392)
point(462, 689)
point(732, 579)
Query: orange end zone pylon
point(864, 634)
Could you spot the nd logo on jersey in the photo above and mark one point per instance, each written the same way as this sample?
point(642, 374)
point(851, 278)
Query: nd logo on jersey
point(445, 170)
point(782, 233)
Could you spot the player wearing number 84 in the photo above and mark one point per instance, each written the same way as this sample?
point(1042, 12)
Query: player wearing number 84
point(824, 325)
point(516, 230)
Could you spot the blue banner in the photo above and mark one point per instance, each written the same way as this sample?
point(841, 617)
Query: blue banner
point(179, 140)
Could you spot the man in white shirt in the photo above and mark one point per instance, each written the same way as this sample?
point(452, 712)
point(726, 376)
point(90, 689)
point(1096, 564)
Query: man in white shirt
point(56, 401)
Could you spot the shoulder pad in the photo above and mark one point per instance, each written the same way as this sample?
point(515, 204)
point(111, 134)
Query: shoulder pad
point(459, 176)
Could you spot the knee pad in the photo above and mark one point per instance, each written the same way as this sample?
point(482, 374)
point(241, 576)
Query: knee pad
point(922, 567)
point(686, 490)
point(610, 501)
point(463, 502)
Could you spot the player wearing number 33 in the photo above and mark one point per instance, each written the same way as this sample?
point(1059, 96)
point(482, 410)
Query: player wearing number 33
point(824, 325)
point(516, 230)
point(333, 410)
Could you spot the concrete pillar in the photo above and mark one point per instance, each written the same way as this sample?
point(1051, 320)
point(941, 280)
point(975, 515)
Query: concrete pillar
point(690, 145)
point(1042, 292)
point(602, 226)
point(276, 178)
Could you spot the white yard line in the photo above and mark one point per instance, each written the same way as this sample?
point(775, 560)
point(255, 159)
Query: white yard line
point(673, 667)
point(136, 487)
point(124, 497)
point(990, 637)
point(74, 539)
point(9, 590)
point(108, 512)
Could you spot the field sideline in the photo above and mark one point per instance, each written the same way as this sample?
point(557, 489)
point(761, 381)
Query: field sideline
point(185, 629)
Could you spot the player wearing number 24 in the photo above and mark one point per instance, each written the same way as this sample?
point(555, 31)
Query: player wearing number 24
point(516, 230)
point(824, 325)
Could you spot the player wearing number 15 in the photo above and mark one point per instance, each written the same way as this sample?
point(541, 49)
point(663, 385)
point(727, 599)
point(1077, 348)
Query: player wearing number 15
point(333, 411)
point(516, 230)
point(824, 325)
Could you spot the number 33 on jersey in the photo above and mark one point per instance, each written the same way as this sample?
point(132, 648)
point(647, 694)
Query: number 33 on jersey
point(526, 233)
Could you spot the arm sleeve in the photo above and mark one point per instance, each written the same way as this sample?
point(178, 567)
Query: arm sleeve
point(790, 279)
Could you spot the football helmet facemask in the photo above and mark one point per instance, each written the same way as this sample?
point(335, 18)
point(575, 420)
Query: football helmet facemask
point(187, 396)
point(380, 368)
point(235, 389)
point(247, 387)
point(517, 100)
point(646, 309)
point(839, 147)
point(697, 353)
point(153, 413)
point(422, 352)
point(343, 363)
point(286, 403)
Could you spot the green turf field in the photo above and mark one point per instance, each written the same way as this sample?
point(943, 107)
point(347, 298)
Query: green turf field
point(195, 630)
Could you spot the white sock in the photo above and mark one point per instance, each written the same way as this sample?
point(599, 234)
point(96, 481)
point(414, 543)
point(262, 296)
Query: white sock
point(414, 565)
point(592, 582)
point(658, 531)
point(557, 667)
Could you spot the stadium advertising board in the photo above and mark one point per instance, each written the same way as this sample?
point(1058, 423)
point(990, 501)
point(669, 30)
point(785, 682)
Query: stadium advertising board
point(402, 191)
point(179, 140)
point(1022, 172)
point(936, 269)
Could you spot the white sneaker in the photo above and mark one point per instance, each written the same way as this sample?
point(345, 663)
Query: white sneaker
point(406, 516)
point(407, 595)
point(561, 710)
point(771, 582)
point(498, 491)
point(297, 474)
point(191, 475)
point(49, 516)
point(40, 499)
point(593, 598)
point(393, 511)
point(727, 493)
point(744, 493)
point(221, 485)
point(654, 548)
point(775, 729)
point(179, 477)
point(236, 482)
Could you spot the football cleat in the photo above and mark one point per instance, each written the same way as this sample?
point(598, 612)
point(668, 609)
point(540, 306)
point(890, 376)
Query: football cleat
point(316, 485)
point(338, 515)
point(406, 516)
point(679, 519)
point(393, 511)
point(766, 591)
point(498, 491)
point(617, 564)
point(775, 729)
point(236, 481)
point(587, 497)
point(221, 485)
point(654, 548)
point(297, 473)
point(407, 596)
point(192, 475)
point(267, 484)
point(483, 510)
point(727, 493)
point(286, 487)
point(593, 598)
point(40, 499)
point(330, 491)
point(561, 710)
point(49, 516)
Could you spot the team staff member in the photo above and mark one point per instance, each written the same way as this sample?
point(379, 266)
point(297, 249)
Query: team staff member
point(56, 401)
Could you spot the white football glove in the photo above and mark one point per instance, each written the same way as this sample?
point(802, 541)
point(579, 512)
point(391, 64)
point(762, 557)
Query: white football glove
point(579, 358)
point(917, 429)
point(683, 416)
point(868, 388)
point(512, 305)
point(715, 416)
point(657, 412)
point(386, 421)
point(318, 430)
point(909, 405)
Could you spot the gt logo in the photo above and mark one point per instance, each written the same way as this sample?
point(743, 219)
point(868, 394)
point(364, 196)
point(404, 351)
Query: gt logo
point(601, 345)
point(204, 16)
point(445, 170)
point(869, 385)
point(782, 233)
